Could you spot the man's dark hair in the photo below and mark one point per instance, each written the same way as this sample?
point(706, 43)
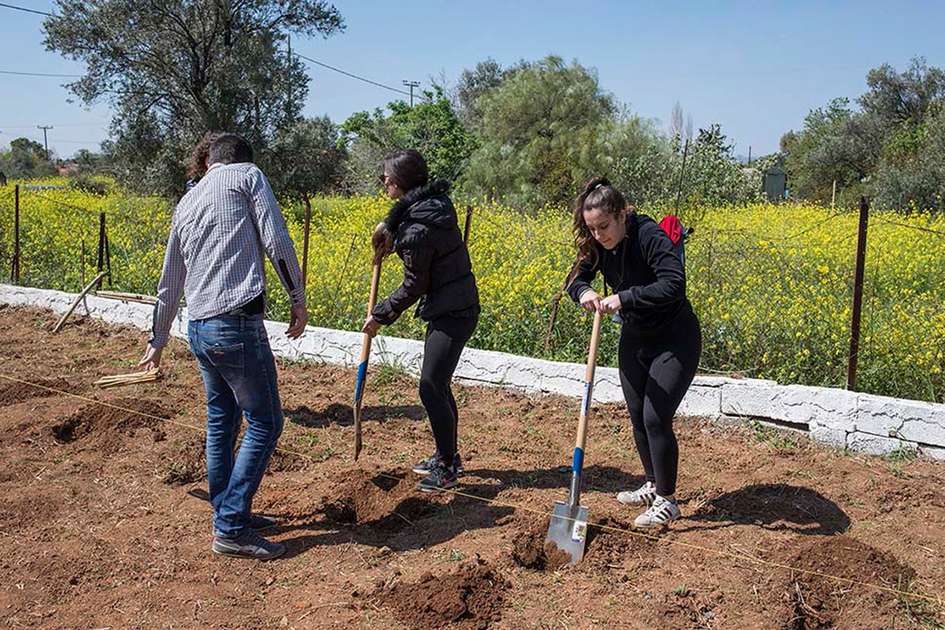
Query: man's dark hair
point(229, 148)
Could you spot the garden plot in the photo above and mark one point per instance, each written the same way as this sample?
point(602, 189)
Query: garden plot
point(104, 523)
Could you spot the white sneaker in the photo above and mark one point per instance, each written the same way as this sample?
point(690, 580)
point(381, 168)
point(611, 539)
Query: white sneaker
point(661, 513)
point(644, 495)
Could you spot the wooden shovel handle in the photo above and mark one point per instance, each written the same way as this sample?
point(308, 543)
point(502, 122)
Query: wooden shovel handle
point(588, 383)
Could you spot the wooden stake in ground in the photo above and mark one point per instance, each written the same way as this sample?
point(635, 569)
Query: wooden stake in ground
point(363, 362)
point(75, 303)
point(129, 379)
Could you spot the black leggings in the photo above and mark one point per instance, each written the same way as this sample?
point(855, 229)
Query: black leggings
point(446, 337)
point(655, 374)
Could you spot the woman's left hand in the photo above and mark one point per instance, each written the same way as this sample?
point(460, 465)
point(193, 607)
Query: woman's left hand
point(610, 304)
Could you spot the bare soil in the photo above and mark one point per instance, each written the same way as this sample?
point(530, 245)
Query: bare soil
point(105, 522)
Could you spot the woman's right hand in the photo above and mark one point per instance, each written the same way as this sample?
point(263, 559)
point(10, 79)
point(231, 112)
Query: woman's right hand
point(382, 241)
point(590, 301)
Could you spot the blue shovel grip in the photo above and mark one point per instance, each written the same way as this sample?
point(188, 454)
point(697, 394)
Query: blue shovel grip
point(359, 385)
point(578, 461)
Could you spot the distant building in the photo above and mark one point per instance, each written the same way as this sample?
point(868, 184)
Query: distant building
point(774, 183)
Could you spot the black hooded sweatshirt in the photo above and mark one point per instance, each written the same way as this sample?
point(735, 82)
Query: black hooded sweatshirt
point(436, 262)
point(644, 271)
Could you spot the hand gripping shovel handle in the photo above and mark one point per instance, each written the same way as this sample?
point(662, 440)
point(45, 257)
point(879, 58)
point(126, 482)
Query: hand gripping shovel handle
point(577, 463)
point(363, 361)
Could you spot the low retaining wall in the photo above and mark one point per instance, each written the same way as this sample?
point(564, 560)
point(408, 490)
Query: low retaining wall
point(860, 422)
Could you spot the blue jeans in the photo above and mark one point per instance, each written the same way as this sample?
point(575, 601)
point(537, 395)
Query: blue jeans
point(239, 374)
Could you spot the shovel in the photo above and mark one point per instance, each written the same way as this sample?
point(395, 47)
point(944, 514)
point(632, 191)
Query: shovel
point(363, 362)
point(568, 526)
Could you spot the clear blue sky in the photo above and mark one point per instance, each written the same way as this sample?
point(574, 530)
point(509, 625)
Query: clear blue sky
point(756, 68)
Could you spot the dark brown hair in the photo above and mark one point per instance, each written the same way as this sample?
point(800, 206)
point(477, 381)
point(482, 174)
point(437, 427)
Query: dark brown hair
point(599, 194)
point(229, 148)
point(197, 163)
point(407, 168)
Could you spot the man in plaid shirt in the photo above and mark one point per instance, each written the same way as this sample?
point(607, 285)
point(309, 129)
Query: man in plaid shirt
point(219, 232)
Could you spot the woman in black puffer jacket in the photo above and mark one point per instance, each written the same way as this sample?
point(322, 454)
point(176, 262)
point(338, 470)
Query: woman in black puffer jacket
point(423, 229)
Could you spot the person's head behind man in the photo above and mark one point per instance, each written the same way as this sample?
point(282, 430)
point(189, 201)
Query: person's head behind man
point(229, 148)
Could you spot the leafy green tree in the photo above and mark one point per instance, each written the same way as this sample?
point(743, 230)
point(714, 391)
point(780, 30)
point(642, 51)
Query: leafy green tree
point(182, 67)
point(430, 127)
point(542, 134)
point(306, 159)
point(25, 158)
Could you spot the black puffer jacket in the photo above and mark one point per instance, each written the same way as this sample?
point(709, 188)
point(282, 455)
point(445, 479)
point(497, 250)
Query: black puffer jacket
point(436, 261)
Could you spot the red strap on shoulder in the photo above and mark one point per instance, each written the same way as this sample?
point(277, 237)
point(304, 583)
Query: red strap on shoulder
point(673, 227)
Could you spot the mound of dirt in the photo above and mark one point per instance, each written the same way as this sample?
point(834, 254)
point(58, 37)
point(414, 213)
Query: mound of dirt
point(187, 465)
point(12, 392)
point(605, 548)
point(471, 596)
point(108, 422)
point(385, 501)
point(816, 601)
point(530, 550)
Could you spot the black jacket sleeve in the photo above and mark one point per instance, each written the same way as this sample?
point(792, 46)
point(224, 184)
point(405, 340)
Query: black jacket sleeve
point(417, 259)
point(670, 284)
point(587, 270)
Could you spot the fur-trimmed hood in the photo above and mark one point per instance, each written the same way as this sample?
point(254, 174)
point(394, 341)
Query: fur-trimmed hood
point(428, 204)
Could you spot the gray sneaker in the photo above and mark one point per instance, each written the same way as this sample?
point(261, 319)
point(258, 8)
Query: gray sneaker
point(425, 466)
point(257, 522)
point(248, 544)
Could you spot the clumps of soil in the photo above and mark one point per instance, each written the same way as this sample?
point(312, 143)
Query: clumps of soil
point(530, 550)
point(470, 596)
point(605, 547)
point(187, 464)
point(13, 392)
point(815, 601)
point(109, 422)
point(610, 541)
point(385, 501)
point(283, 461)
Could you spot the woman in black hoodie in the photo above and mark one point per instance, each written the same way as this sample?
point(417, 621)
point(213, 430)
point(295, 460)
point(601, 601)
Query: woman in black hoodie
point(660, 338)
point(422, 228)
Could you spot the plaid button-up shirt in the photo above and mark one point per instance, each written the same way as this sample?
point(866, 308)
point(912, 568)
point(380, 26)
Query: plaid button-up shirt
point(219, 232)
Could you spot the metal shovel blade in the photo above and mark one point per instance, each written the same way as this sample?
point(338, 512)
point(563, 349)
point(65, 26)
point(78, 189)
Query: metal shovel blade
point(568, 530)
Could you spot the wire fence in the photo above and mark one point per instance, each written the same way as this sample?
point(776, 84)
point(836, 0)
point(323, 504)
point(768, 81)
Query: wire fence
point(772, 285)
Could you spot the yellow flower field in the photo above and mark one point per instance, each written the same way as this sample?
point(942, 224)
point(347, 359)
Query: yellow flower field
point(772, 285)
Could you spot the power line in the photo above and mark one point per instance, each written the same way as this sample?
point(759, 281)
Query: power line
point(40, 74)
point(353, 76)
point(25, 10)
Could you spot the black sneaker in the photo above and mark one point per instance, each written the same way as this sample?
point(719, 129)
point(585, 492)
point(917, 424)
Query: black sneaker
point(440, 478)
point(248, 544)
point(424, 467)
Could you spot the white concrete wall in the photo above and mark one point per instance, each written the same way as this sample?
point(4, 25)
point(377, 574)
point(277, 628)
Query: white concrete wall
point(838, 418)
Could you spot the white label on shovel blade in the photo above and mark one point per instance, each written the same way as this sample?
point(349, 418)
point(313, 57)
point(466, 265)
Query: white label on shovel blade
point(579, 531)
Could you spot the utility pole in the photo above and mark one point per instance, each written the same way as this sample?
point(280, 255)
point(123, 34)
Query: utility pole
point(45, 140)
point(411, 85)
point(288, 105)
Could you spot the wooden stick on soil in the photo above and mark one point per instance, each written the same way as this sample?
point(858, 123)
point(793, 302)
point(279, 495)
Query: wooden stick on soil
point(127, 297)
point(78, 299)
point(129, 379)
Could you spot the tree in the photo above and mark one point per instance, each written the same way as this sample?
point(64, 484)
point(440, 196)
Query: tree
point(182, 67)
point(306, 159)
point(542, 134)
point(885, 148)
point(473, 84)
point(24, 159)
point(430, 127)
